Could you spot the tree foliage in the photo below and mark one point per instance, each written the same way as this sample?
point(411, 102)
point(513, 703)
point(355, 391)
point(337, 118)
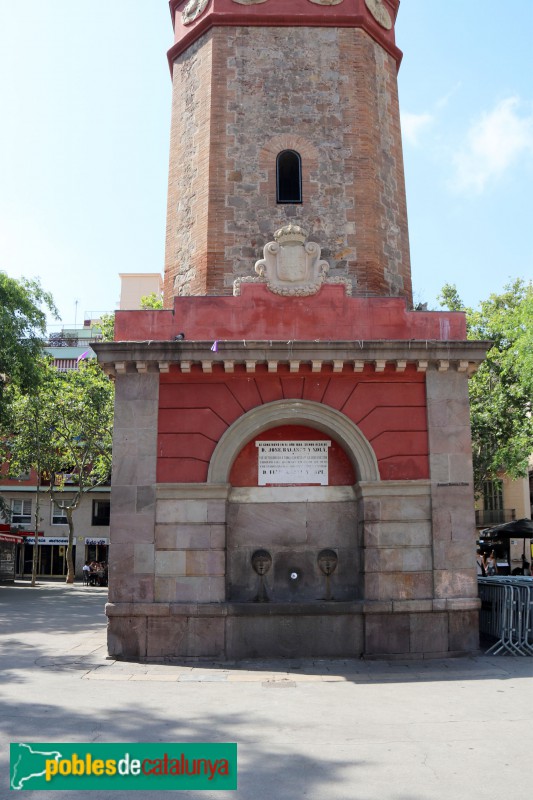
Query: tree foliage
point(62, 429)
point(23, 305)
point(152, 301)
point(107, 327)
point(501, 391)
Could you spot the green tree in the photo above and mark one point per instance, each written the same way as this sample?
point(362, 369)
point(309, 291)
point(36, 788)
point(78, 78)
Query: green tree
point(107, 326)
point(64, 428)
point(501, 391)
point(152, 301)
point(23, 306)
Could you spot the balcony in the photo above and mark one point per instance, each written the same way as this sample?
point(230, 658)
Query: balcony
point(486, 518)
point(57, 340)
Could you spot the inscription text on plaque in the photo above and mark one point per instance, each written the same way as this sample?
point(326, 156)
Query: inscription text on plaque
point(293, 462)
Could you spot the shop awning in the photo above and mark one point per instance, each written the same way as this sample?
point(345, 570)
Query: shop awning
point(11, 537)
point(517, 529)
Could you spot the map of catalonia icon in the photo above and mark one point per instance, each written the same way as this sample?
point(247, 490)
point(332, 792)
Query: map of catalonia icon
point(28, 763)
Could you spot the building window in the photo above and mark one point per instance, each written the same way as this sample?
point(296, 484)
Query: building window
point(24, 476)
point(21, 512)
point(101, 511)
point(492, 496)
point(59, 515)
point(288, 177)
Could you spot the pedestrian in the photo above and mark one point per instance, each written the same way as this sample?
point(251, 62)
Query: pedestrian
point(480, 563)
point(491, 564)
point(86, 573)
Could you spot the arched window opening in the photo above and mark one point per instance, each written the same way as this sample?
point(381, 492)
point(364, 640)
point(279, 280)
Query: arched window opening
point(289, 177)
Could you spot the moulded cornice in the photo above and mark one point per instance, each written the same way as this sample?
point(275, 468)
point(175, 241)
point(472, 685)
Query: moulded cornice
point(120, 358)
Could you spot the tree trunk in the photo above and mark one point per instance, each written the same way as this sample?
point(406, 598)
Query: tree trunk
point(36, 519)
point(70, 562)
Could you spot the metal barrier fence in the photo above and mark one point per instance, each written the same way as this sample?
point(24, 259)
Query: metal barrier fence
point(507, 614)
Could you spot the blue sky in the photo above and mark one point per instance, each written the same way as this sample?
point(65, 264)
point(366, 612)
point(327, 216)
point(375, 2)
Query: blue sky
point(85, 128)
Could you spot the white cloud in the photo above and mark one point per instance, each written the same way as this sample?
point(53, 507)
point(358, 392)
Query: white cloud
point(495, 142)
point(413, 125)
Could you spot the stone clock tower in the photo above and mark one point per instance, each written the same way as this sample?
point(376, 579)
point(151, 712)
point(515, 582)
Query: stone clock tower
point(254, 80)
point(292, 461)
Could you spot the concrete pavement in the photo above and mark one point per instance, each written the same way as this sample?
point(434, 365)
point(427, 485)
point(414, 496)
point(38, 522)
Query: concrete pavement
point(342, 730)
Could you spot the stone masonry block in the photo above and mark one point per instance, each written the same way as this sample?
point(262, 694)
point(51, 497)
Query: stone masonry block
point(405, 509)
point(166, 537)
point(130, 588)
point(145, 500)
point(439, 467)
point(124, 558)
point(452, 439)
point(201, 563)
point(194, 537)
point(170, 563)
point(331, 524)
point(126, 637)
point(399, 586)
point(448, 410)
point(132, 467)
point(410, 606)
point(387, 634)
point(217, 537)
point(167, 637)
point(143, 559)
point(453, 555)
point(267, 524)
point(455, 583)
point(440, 388)
point(398, 559)
point(372, 510)
point(429, 633)
point(200, 590)
point(216, 511)
point(124, 500)
point(461, 467)
point(464, 631)
point(137, 388)
point(165, 590)
point(206, 637)
point(286, 637)
point(416, 533)
point(126, 528)
point(184, 511)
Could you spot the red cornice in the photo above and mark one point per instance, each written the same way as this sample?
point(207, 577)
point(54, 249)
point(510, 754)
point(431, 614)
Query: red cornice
point(226, 19)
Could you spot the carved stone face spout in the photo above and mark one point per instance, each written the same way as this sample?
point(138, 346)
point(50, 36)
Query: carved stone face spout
point(261, 562)
point(327, 561)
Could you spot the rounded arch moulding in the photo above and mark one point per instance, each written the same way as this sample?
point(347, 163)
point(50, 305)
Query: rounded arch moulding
point(294, 412)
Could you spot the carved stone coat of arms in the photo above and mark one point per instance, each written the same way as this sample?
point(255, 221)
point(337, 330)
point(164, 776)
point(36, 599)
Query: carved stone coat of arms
point(291, 265)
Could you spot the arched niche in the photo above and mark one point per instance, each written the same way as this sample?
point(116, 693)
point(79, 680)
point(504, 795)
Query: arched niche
point(293, 412)
point(294, 523)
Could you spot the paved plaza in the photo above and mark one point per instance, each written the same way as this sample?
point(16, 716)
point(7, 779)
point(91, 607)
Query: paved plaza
point(341, 730)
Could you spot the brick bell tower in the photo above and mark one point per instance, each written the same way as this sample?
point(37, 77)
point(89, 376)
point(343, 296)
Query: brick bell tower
point(292, 468)
point(267, 91)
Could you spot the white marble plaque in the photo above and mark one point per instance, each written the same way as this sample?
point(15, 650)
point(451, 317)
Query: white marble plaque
point(292, 462)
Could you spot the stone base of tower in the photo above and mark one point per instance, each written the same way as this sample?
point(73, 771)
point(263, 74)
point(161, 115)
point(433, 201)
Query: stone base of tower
point(237, 631)
point(292, 446)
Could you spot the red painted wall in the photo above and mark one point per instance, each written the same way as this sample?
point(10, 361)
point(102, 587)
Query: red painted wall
point(196, 409)
point(258, 314)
